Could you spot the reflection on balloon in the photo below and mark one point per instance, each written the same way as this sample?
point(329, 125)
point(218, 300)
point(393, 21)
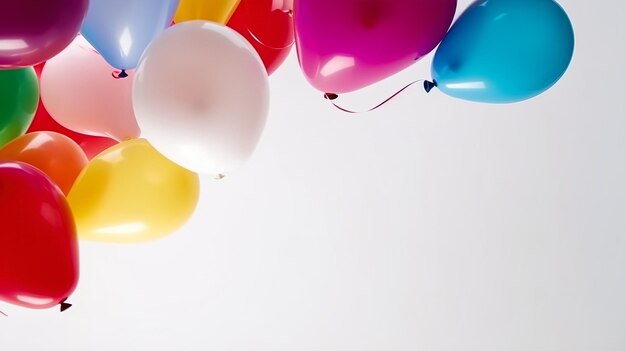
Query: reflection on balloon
point(19, 93)
point(131, 193)
point(32, 31)
point(347, 45)
point(122, 29)
point(39, 260)
point(215, 10)
point(204, 110)
point(58, 156)
point(101, 105)
point(268, 26)
point(504, 51)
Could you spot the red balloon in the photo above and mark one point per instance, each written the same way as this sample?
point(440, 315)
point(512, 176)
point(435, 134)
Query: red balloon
point(268, 26)
point(39, 249)
point(43, 122)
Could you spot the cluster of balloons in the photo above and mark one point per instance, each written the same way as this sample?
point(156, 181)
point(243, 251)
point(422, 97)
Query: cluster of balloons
point(109, 109)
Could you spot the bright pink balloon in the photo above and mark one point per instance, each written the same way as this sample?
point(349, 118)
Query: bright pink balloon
point(345, 45)
point(80, 93)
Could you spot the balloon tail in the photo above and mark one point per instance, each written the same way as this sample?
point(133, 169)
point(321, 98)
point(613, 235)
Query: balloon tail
point(428, 85)
point(119, 74)
point(64, 305)
point(331, 97)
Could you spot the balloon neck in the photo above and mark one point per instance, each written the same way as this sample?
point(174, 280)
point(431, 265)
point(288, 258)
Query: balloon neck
point(428, 85)
point(64, 305)
point(119, 75)
point(330, 96)
point(219, 177)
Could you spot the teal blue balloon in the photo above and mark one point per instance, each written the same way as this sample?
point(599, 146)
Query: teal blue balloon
point(120, 30)
point(504, 51)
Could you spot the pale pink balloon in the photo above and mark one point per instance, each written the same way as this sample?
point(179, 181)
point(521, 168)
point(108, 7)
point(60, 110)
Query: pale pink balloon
point(80, 93)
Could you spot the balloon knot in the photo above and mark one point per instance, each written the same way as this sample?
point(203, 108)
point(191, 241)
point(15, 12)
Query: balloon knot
point(330, 96)
point(119, 74)
point(64, 305)
point(428, 85)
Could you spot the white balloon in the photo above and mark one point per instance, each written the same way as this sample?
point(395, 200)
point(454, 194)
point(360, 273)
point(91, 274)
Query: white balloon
point(201, 96)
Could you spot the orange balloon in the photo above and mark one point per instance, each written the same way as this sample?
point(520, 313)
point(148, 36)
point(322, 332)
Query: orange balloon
point(54, 154)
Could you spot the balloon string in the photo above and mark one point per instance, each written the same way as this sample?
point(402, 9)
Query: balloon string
point(4, 314)
point(428, 86)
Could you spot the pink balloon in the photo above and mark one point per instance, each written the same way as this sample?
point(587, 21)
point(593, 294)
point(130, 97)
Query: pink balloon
point(80, 93)
point(345, 45)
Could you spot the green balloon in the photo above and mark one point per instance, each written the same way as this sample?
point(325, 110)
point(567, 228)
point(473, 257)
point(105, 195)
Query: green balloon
point(19, 96)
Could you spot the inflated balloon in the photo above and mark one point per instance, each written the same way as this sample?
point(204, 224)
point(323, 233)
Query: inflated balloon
point(268, 26)
point(503, 51)
point(213, 10)
point(131, 193)
point(32, 31)
point(122, 29)
point(58, 156)
point(19, 93)
point(79, 92)
point(91, 145)
point(347, 45)
point(204, 109)
point(39, 260)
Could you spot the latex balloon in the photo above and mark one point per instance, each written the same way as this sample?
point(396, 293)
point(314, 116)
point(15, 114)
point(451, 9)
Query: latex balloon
point(204, 109)
point(19, 93)
point(268, 26)
point(347, 45)
point(122, 29)
point(58, 156)
point(79, 92)
point(504, 51)
point(32, 31)
point(39, 260)
point(91, 145)
point(214, 10)
point(131, 193)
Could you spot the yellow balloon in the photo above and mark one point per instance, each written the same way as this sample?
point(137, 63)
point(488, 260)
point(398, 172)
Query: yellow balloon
point(209, 10)
point(131, 193)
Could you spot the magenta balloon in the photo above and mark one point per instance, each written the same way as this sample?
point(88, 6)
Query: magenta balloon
point(32, 31)
point(345, 45)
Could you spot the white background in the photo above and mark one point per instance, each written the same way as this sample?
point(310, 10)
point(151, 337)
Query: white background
point(433, 224)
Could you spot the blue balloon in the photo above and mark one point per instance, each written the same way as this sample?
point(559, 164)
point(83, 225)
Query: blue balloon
point(122, 29)
point(504, 51)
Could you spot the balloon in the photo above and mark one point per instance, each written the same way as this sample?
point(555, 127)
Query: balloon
point(268, 26)
point(131, 193)
point(58, 156)
point(39, 260)
point(32, 31)
point(19, 93)
point(504, 51)
point(204, 108)
point(78, 91)
point(213, 10)
point(347, 45)
point(122, 29)
point(91, 145)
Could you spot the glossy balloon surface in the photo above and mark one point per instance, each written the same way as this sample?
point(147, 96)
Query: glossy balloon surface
point(131, 193)
point(268, 26)
point(79, 92)
point(19, 94)
point(218, 11)
point(347, 45)
point(56, 155)
point(503, 51)
point(39, 260)
point(32, 31)
point(122, 29)
point(201, 97)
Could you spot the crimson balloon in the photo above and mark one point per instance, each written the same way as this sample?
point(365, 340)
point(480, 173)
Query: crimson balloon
point(268, 26)
point(39, 258)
